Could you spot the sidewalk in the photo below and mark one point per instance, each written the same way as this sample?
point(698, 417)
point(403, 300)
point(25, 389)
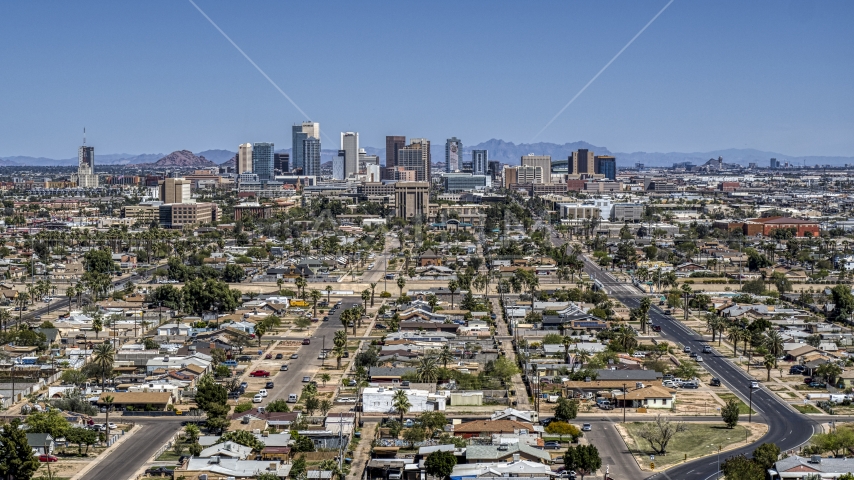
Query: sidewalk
point(363, 452)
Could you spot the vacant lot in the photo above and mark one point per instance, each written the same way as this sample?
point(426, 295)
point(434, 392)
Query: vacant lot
point(698, 440)
point(743, 409)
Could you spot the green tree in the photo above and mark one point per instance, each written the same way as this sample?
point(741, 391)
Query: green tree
point(502, 369)
point(233, 273)
point(401, 403)
point(566, 409)
point(843, 301)
point(563, 428)
point(584, 459)
point(298, 468)
point(244, 438)
point(729, 413)
point(52, 422)
point(440, 464)
point(73, 376)
point(829, 371)
point(17, 460)
point(99, 261)
point(742, 468)
point(103, 356)
point(766, 455)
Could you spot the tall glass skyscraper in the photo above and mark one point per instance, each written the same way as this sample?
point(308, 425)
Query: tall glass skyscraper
point(479, 162)
point(311, 156)
point(300, 133)
point(262, 161)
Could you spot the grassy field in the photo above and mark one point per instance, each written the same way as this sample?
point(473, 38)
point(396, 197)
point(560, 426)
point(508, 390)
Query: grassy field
point(742, 407)
point(698, 440)
point(808, 408)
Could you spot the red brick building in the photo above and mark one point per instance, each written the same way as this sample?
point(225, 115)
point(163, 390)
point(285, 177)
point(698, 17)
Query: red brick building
point(765, 226)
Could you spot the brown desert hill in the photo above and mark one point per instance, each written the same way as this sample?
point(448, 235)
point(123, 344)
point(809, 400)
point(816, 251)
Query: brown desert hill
point(183, 158)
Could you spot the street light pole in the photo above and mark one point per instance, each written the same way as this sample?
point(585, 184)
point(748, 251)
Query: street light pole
point(624, 403)
point(750, 408)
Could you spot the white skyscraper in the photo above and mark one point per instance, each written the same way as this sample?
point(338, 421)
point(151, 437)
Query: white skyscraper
point(244, 158)
point(86, 177)
point(350, 147)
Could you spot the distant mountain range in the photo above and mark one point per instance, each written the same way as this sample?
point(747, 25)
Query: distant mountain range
point(505, 152)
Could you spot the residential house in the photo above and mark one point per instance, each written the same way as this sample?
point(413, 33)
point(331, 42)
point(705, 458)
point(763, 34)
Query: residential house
point(487, 428)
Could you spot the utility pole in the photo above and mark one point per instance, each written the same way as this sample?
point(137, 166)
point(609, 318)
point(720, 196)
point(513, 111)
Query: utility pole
point(624, 403)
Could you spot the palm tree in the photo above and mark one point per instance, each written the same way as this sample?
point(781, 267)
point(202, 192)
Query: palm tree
point(328, 292)
point(103, 356)
point(734, 336)
point(427, 370)
point(97, 324)
point(300, 284)
point(401, 282)
point(774, 344)
point(108, 402)
point(769, 362)
point(315, 296)
point(567, 341)
point(366, 295)
point(325, 378)
point(453, 285)
point(373, 288)
point(340, 342)
point(445, 355)
point(400, 402)
point(21, 300)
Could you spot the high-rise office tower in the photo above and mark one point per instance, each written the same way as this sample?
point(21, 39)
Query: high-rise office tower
point(542, 161)
point(775, 164)
point(606, 165)
point(453, 154)
point(479, 162)
point(338, 163)
point(412, 199)
point(311, 154)
point(392, 145)
point(281, 162)
point(350, 147)
point(366, 160)
point(583, 162)
point(86, 177)
point(416, 157)
point(174, 190)
point(300, 133)
point(262, 161)
point(244, 158)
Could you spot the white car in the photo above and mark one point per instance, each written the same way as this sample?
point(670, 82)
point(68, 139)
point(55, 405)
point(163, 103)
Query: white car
point(258, 398)
point(754, 384)
point(262, 392)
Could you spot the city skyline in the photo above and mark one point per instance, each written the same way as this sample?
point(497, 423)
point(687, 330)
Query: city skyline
point(702, 77)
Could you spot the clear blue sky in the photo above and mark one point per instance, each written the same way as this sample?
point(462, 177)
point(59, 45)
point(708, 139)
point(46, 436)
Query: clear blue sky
point(155, 76)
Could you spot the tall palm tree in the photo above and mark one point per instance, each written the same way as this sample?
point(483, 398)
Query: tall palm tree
point(103, 356)
point(315, 296)
point(427, 369)
point(366, 295)
point(401, 403)
point(328, 292)
point(445, 355)
point(401, 282)
point(340, 343)
point(453, 285)
point(567, 341)
point(373, 289)
point(734, 336)
point(774, 344)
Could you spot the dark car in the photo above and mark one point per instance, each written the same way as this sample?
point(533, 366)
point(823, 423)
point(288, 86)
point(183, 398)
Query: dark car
point(380, 326)
point(158, 471)
point(269, 385)
point(656, 328)
point(715, 382)
point(279, 356)
point(668, 312)
point(551, 445)
point(268, 356)
point(325, 319)
point(244, 358)
point(817, 385)
point(797, 369)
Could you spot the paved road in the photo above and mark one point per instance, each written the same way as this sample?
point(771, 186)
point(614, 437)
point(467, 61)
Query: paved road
point(616, 457)
point(307, 364)
point(787, 428)
point(134, 452)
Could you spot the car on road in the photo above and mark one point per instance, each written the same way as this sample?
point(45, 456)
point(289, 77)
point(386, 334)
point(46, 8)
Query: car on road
point(693, 355)
point(586, 427)
point(707, 349)
point(699, 359)
point(306, 341)
point(686, 349)
point(269, 385)
point(257, 398)
point(292, 398)
point(551, 445)
point(326, 318)
point(754, 384)
point(279, 356)
point(260, 373)
point(656, 328)
point(306, 379)
point(48, 458)
point(283, 368)
point(294, 356)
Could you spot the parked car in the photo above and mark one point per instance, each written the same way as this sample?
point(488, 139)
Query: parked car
point(294, 356)
point(260, 373)
point(244, 358)
point(268, 356)
point(797, 369)
point(306, 379)
point(159, 471)
point(279, 356)
point(586, 427)
point(269, 385)
point(262, 392)
point(48, 458)
point(818, 384)
point(715, 382)
point(257, 398)
point(306, 341)
point(292, 398)
point(551, 445)
point(243, 385)
point(283, 368)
